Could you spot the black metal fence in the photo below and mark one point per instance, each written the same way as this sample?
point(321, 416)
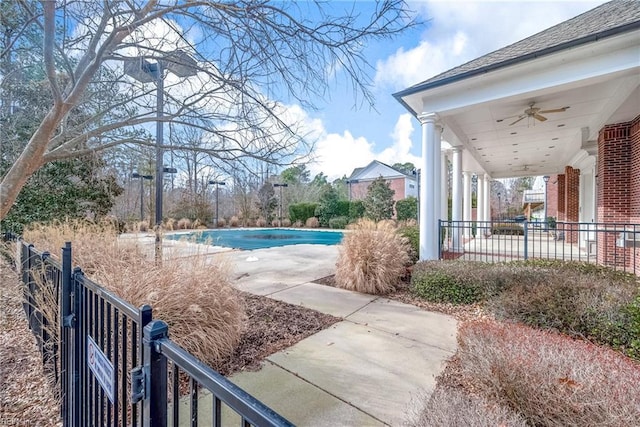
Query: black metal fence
point(114, 365)
point(613, 245)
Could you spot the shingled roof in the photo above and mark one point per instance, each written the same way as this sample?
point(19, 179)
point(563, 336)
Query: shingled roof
point(606, 20)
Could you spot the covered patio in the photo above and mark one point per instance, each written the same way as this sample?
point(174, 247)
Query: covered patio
point(564, 102)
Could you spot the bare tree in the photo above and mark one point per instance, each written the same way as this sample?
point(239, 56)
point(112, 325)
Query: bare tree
point(249, 55)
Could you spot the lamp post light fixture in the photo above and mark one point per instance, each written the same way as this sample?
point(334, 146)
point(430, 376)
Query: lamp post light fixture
point(142, 178)
point(544, 215)
point(182, 65)
point(217, 184)
point(281, 185)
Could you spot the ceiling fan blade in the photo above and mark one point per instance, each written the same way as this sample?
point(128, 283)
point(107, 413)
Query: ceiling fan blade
point(521, 118)
point(539, 117)
point(555, 110)
point(509, 117)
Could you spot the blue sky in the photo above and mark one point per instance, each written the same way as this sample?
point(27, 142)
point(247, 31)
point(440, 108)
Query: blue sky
point(454, 32)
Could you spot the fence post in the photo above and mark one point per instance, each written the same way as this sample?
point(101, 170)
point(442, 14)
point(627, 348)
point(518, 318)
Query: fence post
point(78, 291)
point(66, 316)
point(155, 364)
point(526, 240)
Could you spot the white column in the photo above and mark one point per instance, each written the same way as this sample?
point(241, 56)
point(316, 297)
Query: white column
point(444, 187)
point(480, 198)
point(487, 194)
point(429, 182)
point(466, 202)
point(456, 200)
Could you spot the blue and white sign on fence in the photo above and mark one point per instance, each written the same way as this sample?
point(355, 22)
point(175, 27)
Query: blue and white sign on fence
point(100, 366)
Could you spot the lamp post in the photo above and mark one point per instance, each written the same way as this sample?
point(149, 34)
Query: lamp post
point(280, 185)
point(217, 184)
point(544, 214)
point(142, 178)
point(182, 65)
point(499, 205)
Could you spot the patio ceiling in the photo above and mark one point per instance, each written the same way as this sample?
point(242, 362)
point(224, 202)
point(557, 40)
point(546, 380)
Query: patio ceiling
point(599, 82)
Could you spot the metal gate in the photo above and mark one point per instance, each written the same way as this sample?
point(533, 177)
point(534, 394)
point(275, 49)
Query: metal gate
point(113, 364)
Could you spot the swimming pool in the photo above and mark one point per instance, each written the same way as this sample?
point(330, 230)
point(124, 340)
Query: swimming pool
point(261, 238)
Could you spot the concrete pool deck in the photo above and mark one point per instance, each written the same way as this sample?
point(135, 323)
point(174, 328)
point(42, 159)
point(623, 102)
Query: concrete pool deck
point(372, 368)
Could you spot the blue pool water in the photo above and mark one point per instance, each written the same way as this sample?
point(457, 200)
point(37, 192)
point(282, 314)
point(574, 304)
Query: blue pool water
point(262, 238)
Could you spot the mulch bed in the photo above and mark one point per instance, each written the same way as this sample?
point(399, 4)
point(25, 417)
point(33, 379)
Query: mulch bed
point(272, 326)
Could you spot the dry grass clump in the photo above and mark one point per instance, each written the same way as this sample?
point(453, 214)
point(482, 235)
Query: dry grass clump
point(452, 407)
point(373, 258)
point(234, 221)
point(550, 379)
point(221, 223)
point(198, 224)
point(170, 224)
point(143, 226)
point(286, 222)
point(312, 222)
point(298, 224)
point(204, 313)
point(208, 317)
point(261, 222)
point(183, 224)
point(276, 223)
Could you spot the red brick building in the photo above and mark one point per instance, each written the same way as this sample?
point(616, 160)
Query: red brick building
point(402, 184)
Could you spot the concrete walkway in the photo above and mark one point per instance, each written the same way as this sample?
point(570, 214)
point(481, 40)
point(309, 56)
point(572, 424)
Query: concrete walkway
point(373, 368)
point(370, 369)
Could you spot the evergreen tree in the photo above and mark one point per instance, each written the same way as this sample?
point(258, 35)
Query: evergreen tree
point(378, 204)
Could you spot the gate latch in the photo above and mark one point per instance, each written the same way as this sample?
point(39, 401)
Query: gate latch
point(137, 384)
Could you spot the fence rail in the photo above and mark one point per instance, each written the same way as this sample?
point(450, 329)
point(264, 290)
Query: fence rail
point(112, 364)
point(613, 245)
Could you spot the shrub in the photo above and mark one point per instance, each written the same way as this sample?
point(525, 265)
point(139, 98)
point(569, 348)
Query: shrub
point(356, 210)
point(373, 258)
point(338, 222)
point(207, 319)
point(579, 299)
point(143, 226)
point(170, 224)
point(452, 407)
point(549, 379)
point(298, 224)
point(507, 228)
point(234, 221)
point(407, 209)
point(412, 234)
point(456, 282)
point(183, 224)
point(286, 222)
point(221, 223)
point(276, 223)
point(312, 222)
point(302, 211)
point(261, 222)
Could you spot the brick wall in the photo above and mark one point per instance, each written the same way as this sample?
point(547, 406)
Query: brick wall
point(359, 189)
point(552, 196)
point(619, 188)
point(571, 200)
point(560, 204)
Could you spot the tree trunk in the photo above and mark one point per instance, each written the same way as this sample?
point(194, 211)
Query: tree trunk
point(29, 161)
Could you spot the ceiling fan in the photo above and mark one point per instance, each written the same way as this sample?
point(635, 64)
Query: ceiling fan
point(535, 112)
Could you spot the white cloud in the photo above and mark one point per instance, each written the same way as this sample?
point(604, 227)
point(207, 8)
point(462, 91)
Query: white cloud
point(459, 31)
point(338, 154)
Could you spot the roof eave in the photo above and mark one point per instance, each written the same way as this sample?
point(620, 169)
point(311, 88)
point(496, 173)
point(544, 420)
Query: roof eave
point(483, 70)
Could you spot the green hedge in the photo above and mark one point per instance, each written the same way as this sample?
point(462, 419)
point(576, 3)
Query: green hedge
point(407, 209)
point(508, 228)
point(412, 234)
point(338, 222)
point(302, 211)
